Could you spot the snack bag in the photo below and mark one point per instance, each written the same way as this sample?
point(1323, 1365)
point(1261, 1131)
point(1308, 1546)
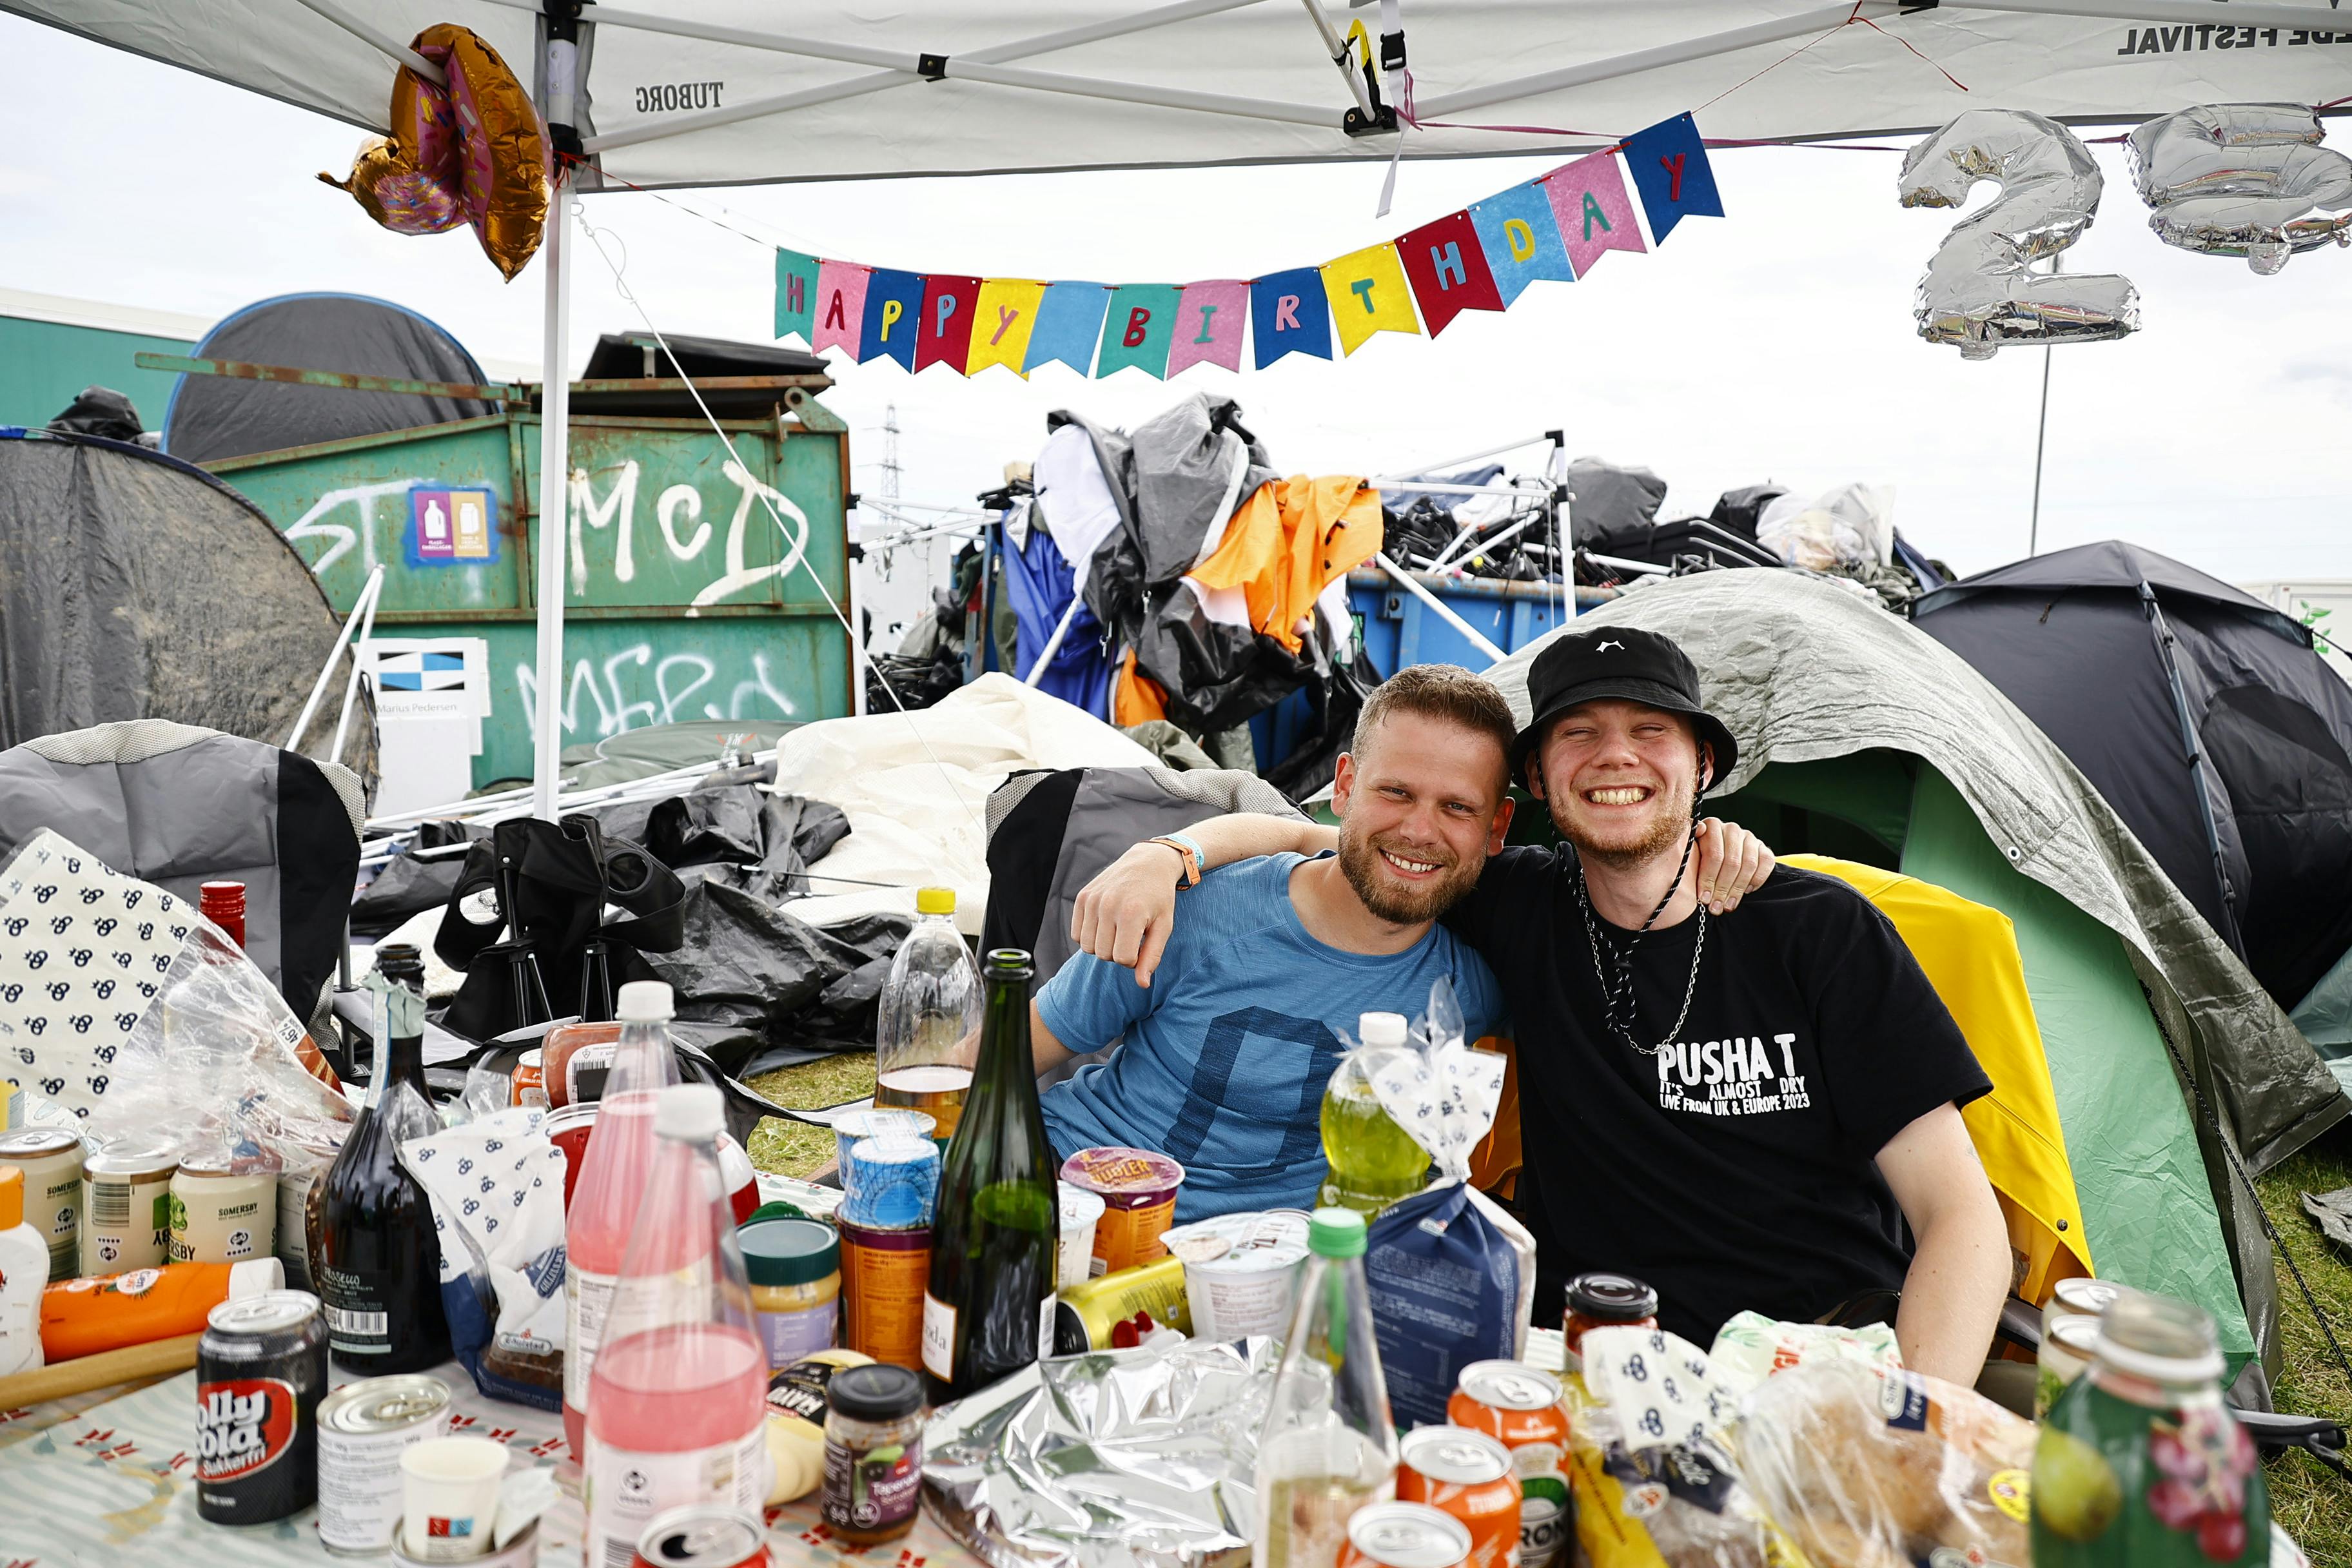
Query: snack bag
point(497, 1190)
point(1751, 1347)
point(1865, 1470)
point(1453, 1277)
point(1650, 1465)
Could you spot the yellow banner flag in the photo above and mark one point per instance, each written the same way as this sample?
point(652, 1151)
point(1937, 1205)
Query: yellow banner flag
point(1000, 323)
point(1368, 294)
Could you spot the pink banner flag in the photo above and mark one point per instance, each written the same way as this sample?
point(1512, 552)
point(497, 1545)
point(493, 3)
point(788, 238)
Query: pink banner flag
point(1588, 198)
point(840, 306)
point(1210, 320)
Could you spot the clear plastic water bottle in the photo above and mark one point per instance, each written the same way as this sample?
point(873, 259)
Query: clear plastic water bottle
point(1373, 1160)
point(930, 1018)
point(676, 1403)
point(1329, 1446)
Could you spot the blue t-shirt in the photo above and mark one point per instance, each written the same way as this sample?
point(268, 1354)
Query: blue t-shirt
point(1228, 1050)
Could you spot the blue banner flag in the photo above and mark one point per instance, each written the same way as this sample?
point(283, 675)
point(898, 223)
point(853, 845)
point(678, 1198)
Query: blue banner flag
point(1670, 169)
point(1069, 319)
point(1289, 314)
point(1521, 239)
point(893, 316)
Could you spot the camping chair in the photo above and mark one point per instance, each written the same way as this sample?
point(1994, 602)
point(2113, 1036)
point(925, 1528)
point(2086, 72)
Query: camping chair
point(178, 806)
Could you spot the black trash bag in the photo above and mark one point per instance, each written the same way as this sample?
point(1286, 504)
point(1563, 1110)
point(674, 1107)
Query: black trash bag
point(1737, 511)
point(848, 1012)
point(99, 411)
point(551, 883)
point(1216, 675)
point(745, 971)
point(405, 886)
point(746, 837)
point(1314, 761)
point(918, 681)
point(1606, 502)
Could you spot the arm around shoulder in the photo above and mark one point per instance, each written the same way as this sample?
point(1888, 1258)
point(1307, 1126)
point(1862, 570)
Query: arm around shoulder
point(1126, 913)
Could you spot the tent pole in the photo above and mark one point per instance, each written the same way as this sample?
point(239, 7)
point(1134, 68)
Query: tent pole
point(2041, 435)
point(554, 503)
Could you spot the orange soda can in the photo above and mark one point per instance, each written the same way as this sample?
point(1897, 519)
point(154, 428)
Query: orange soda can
point(1403, 1535)
point(1467, 1475)
point(1518, 1406)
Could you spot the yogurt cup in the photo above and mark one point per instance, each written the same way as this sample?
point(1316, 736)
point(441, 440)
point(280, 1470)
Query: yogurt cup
point(880, 1122)
point(1081, 1210)
point(1241, 1271)
point(1138, 1189)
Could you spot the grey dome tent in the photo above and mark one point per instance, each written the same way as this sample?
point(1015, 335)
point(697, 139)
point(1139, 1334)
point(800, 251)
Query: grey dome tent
point(2206, 718)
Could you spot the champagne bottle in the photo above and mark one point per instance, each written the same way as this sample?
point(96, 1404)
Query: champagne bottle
point(989, 1310)
point(373, 1254)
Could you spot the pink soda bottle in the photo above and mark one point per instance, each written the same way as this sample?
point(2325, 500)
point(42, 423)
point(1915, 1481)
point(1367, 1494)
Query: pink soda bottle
point(678, 1401)
point(614, 1172)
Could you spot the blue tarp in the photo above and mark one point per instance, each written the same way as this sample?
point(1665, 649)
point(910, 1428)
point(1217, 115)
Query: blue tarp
point(1037, 578)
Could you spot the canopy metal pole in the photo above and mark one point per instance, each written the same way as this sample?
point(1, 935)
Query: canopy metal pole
point(1413, 585)
point(554, 503)
point(390, 45)
point(1053, 643)
point(351, 682)
point(363, 605)
point(1428, 468)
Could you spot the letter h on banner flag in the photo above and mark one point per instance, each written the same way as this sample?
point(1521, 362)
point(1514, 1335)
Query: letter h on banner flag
point(796, 294)
point(948, 310)
point(1670, 171)
point(1589, 200)
point(1289, 315)
point(1448, 269)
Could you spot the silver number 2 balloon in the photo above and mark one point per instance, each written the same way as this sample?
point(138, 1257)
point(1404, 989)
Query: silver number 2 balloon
point(1978, 291)
point(2243, 179)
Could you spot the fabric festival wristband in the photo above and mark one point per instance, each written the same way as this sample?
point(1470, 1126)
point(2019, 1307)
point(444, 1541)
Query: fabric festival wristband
point(1188, 852)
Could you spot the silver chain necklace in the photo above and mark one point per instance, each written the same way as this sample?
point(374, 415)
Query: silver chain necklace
point(1618, 991)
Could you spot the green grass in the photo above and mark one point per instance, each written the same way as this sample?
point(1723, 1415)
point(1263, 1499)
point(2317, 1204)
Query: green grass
point(2315, 1506)
point(796, 1147)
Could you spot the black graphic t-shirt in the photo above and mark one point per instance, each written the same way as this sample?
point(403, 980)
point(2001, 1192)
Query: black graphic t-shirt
point(1733, 1171)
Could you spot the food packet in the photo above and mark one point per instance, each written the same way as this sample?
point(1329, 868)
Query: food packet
point(1451, 1276)
point(497, 1188)
point(1865, 1470)
point(1751, 1347)
point(1650, 1462)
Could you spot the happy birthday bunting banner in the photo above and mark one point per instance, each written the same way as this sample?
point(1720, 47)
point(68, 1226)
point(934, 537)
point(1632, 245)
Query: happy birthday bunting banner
point(1520, 240)
point(1290, 316)
point(841, 308)
point(1670, 169)
point(1483, 257)
point(796, 277)
point(1211, 321)
point(1069, 319)
point(949, 308)
point(1368, 294)
point(1139, 329)
point(1448, 269)
point(1002, 322)
point(1594, 214)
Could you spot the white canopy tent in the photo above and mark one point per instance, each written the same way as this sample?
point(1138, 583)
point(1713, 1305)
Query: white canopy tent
point(707, 92)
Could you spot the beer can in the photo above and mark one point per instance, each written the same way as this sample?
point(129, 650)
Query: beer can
point(51, 1159)
point(364, 1428)
point(1404, 1535)
point(1087, 1315)
point(1467, 1475)
point(1518, 1406)
point(261, 1371)
point(707, 1535)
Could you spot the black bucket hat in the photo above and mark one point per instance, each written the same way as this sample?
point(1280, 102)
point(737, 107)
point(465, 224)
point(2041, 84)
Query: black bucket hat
point(1623, 662)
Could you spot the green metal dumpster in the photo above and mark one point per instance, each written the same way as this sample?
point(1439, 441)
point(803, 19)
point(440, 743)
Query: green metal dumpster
point(686, 600)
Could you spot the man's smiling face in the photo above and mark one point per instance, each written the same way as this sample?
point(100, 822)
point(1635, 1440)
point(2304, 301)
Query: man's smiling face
point(1621, 778)
point(1421, 804)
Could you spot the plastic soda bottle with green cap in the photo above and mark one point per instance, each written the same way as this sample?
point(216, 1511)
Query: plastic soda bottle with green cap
point(1329, 1445)
point(1373, 1160)
point(928, 1018)
point(2140, 1464)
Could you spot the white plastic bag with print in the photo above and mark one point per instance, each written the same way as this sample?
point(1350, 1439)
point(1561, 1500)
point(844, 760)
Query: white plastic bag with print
point(1453, 1277)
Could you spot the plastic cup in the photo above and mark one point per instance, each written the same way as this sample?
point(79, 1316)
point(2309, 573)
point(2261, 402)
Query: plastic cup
point(1080, 1211)
point(449, 1498)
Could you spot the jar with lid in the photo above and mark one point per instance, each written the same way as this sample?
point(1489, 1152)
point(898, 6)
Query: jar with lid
point(794, 1267)
point(1606, 1301)
point(873, 1453)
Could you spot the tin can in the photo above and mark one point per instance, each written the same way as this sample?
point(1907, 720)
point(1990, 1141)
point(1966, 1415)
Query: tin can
point(1404, 1535)
point(223, 1210)
point(1087, 1316)
point(707, 1535)
point(2079, 1297)
point(568, 1127)
point(883, 1277)
point(261, 1371)
point(364, 1428)
point(1518, 1406)
point(528, 1084)
point(1467, 1475)
point(126, 1207)
point(2068, 1347)
point(51, 1159)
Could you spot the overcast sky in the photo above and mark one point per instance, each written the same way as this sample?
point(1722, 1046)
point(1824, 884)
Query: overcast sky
point(1776, 343)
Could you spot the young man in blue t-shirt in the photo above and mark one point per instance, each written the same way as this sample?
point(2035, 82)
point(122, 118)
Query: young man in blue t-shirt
point(1231, 1039)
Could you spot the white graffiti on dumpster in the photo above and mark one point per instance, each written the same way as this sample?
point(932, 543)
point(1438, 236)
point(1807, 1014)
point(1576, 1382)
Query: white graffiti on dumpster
point(677, 682)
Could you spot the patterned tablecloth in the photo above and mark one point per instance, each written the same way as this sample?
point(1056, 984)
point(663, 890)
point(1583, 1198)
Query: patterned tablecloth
point(105, 1480)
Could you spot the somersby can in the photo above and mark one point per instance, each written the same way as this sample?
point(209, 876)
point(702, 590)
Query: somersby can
point(1519, 1408)
point(1404, 1535)
point(1467, 1475)
point(703, 1536)
point(261, 1371)
point(364, 1428)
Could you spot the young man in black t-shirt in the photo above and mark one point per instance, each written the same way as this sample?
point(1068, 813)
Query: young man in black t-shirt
point(1746, 1113)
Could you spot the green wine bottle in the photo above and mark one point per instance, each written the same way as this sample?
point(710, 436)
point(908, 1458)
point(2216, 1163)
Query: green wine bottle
point(989, 1310)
